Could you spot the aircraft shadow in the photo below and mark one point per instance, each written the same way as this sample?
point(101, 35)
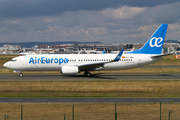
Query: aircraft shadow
point(100, 76)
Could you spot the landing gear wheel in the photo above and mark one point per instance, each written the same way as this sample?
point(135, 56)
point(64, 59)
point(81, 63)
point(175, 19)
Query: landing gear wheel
point(20, 74)
point(88, 74)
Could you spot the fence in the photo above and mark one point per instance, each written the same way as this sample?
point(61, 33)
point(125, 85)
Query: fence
point(89, 111)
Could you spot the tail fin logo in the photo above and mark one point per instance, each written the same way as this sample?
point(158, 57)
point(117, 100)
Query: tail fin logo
point(156, 42)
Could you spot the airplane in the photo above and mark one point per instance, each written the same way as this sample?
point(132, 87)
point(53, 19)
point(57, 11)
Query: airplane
point(69, 64)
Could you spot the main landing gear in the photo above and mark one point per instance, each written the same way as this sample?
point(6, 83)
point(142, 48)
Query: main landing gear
point(87, 73)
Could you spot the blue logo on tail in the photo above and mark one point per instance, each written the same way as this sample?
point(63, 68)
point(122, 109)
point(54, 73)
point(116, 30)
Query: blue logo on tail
point(155, 43)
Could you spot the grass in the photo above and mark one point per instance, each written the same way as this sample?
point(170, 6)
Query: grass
point(89, 111)
point(137, 89)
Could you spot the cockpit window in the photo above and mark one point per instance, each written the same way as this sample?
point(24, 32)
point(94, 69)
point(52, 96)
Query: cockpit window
point(13, 60)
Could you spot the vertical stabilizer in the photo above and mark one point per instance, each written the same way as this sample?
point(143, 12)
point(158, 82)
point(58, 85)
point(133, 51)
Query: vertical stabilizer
point(155, 43)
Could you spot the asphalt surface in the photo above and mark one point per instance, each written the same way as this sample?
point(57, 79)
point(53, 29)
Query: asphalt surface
point(81, 77)
point(87, 100)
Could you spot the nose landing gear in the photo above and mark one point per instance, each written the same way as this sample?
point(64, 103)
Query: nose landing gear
point(20, 73)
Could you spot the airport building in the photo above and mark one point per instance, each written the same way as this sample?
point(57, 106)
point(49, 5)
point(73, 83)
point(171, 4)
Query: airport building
point(83, 48)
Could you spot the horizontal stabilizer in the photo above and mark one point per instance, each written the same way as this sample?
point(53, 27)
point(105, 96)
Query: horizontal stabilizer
point(154, 56)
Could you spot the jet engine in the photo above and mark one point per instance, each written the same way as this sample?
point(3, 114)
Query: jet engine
point(69, 70)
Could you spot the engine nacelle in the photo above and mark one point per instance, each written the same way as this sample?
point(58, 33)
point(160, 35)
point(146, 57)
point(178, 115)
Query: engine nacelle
point(69, 70)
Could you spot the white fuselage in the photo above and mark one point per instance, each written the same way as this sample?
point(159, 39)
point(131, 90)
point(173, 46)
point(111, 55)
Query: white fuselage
point(54, 62)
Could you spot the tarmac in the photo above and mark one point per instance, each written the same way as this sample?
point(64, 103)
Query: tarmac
point(81, 77)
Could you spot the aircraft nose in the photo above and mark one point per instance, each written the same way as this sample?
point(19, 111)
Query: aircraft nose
point(6, 65)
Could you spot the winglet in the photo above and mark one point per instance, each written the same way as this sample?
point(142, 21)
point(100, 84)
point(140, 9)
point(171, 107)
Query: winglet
point(103, 52)
point(118, 56)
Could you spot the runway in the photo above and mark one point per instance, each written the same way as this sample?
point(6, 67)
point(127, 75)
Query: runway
point(81, 77)
point(87, 100)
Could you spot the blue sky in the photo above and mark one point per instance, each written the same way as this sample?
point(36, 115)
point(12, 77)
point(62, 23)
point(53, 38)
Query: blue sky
point(108, 21)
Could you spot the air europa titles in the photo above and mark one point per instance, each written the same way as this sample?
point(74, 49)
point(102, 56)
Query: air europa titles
point(44, 60)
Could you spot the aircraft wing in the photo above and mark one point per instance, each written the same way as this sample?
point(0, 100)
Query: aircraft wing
point(94, 66)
